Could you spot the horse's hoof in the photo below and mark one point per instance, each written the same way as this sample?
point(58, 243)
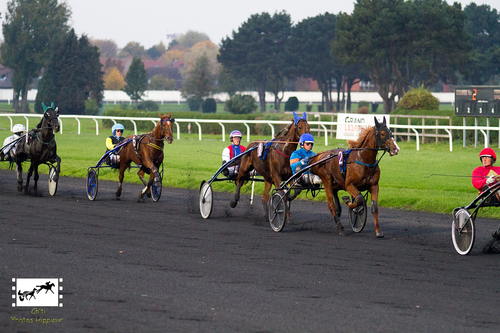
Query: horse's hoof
point(380, 234)
point(341, 232)
point(20, 187)
point(233, 203)
point(118, 193)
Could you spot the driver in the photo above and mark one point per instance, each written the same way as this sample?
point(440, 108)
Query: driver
point(113, 140)
point(9, 152)
point(487, 174)
point(299, 158)
point(231, 151)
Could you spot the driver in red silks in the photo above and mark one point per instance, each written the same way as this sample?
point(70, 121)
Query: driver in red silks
point(487, 174)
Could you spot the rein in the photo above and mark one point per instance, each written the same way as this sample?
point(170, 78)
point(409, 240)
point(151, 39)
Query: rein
point(45, 143)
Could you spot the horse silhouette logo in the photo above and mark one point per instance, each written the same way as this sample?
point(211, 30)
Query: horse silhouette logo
point(37, 292)
point(47, 286)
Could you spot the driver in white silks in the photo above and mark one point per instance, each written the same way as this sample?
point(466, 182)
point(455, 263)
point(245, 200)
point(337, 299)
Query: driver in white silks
point(9, 153)
point(231, 151)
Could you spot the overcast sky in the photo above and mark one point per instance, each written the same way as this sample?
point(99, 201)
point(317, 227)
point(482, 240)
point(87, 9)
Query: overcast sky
point(149, 21)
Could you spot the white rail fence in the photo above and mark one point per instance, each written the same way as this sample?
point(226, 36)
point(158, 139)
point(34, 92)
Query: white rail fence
point(485, 130)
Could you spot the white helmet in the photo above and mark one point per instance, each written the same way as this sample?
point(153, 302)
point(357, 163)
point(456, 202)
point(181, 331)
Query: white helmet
point(18, 128)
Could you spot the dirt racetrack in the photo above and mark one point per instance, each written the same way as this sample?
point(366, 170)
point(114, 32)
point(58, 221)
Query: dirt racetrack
point(159, 267)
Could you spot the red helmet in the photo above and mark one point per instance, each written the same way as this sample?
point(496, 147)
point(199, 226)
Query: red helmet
point(488, 152)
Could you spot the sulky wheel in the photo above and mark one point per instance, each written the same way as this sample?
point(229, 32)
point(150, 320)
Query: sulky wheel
point(91, 184)
point(156, 190)
point(462, 231)
point(357, 216)
point(52, 182)
point(206, 199)
point(277, 210)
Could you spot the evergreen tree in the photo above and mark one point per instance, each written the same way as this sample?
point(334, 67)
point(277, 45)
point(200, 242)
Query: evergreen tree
point(137, 80)
point(72, 76)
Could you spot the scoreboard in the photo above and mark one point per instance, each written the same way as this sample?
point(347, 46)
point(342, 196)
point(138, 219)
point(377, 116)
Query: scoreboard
point(477, 101)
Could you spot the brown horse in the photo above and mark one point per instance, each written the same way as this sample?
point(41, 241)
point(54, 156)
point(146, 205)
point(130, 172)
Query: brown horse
point(362, 172)
point(147, 151)
point(276, 165)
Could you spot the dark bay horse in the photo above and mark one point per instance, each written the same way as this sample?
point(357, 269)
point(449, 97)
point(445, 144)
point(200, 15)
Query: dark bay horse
point(39, 147)
point(362, 172)
point(276, 165)
point(146, 152)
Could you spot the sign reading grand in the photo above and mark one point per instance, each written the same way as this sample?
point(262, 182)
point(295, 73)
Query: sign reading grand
point(350, 124)
point(477, 101)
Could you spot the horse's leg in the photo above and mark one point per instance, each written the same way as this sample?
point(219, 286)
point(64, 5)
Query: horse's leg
point(28, 176)
point(245, 166)
point(154, 176)
point(123, 166)
point(327, 184)
point(19, 169)
point(141, 173)
point(35, 179)
point(265, 199)
point(374, 194)
point(58, 169)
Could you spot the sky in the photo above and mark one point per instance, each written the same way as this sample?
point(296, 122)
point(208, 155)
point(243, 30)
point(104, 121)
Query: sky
point(150, 21)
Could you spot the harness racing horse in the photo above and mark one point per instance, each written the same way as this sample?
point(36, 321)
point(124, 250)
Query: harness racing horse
point(362, 172)
point(39, 147)
point(146, 152)
point(276, 165)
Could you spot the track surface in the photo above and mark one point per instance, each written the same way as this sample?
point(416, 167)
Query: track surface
point(159, 267)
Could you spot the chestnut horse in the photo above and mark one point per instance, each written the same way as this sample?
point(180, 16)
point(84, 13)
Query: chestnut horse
point(146, 152)
point(276, 164)
point(362, 172)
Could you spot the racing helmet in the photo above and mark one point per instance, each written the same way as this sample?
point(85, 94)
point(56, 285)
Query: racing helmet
point(488, 152)
point(18, 128)
point(306, 137)
point(235, 134)
point(117, 127)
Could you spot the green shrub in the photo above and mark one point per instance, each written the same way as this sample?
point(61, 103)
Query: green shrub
point(209, 106)
point(363, 103)
point(309, 107)
point(320, 108)
point(241, 104)
point(374, 107)
point(193, 104)
point(91, 107)
point(418, 99)
point(292, 104)
point(148, 106)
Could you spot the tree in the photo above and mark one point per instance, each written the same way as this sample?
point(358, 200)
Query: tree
point(375, 35)
point(310, 45)
point(256, 53)
point(133, 49)
point(153, 53)
point(172, 56)
point(199, 81)
point(108, 48)
point(190, 38)
point(159, 82)
point(113, 79)
point(31, 29)
point(483, 26)
point(72, 76)
point(205, 48)
point(137, 80)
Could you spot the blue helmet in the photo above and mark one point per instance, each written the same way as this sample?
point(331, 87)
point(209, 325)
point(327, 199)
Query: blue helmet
point(117, 127)
point(306, 137)
point(236, 134)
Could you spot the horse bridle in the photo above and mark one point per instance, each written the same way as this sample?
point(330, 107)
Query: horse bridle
point(385, 141)
point(172, 120)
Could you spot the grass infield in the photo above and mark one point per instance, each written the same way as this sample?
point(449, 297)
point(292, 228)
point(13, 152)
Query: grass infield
point(406, 181)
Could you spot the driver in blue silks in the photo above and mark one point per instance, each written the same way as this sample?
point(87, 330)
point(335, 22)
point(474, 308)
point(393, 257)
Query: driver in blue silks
point(300, 157)
point(113, 140)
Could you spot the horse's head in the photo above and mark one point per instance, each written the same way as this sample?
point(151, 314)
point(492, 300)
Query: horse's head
point(166, 124)
point(300, 125)
point(51, 117)
point(384, 138)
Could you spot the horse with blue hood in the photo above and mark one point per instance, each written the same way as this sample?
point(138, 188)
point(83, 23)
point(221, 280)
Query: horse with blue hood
point(274, 163)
